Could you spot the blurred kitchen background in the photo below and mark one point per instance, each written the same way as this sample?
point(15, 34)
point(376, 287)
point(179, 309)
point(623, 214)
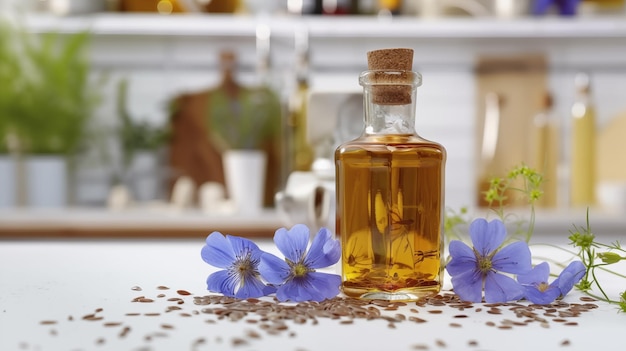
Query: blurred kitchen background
point(133, 109)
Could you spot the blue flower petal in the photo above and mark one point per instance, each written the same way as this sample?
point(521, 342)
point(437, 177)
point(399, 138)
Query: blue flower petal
point(539, 274)
point(500, 288)
point(273, 269)
point(294, 290)
point(514, 258)
point(571, 275)
point(463, 258)
point(538, 297)
point(242, 246)
point(252, 287)
point(487, 236)
point(218, 251)
point(222, 282)
point(468, 285)
point(292, 243)
point(325, 285)
point(324, 251)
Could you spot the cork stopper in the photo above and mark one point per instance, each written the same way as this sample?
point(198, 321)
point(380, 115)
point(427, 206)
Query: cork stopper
point(391, 85)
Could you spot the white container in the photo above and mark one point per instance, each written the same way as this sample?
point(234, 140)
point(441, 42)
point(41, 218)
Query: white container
point(8, 181)
point(244, 171)
point(46, 181)
point(145, 176)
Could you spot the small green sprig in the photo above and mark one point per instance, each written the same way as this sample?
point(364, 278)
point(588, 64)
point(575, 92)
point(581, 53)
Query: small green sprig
point(588, 251)
point(530, 189)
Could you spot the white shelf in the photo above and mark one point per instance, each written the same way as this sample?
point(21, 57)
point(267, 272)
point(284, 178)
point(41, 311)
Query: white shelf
point(341, 27)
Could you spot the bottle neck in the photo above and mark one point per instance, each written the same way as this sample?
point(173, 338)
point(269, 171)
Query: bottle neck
point(388, 119)
point(389, 101)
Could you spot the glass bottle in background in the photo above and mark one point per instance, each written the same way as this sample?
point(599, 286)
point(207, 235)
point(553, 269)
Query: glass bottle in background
point(390, 190)
point(583, 146)
point(546, 151)
point(300, 154)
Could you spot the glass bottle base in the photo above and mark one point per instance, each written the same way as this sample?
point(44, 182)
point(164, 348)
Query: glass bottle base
point(409, 294)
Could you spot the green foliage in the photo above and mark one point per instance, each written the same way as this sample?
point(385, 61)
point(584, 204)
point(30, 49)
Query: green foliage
point(596, 256)
point(137, 136)
point(246, 121)
point(49, 98)
point(530, 189)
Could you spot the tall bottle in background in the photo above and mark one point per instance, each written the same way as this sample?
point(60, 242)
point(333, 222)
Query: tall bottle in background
point(583, 146)
point(546, 151)
point(390, 190)
point(300, 154)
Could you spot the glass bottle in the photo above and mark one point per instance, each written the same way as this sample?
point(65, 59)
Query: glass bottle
point(390, 191)
point(583, 143)
point(546, 151)
point(300, 153)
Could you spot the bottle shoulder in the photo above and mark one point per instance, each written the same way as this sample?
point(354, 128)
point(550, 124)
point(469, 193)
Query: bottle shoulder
point(389, 143)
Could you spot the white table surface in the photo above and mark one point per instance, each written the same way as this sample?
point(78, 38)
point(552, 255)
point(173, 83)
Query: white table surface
point(61, 279)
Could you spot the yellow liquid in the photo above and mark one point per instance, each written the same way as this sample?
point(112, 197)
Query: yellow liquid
point(546, 160)
point(583, 156)
point(390, 217)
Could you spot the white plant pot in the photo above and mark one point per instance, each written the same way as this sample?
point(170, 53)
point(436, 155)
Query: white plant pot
point(8, 181)
point(244, 171)
point(145, 176)
point(46, 181)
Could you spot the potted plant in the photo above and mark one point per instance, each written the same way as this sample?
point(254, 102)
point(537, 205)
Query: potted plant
point(244, 122)
point(9, 64)
point(141, 143)
point(51, 101)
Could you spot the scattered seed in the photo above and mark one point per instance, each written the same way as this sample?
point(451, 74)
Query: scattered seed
point(152, 314)
point(124, 332)
point(571, 323)
point(461, 316)
point(48, 322)
point(420, 347)
point(347, 321)
point(162, 287)
point(136, 288)
point(505, 327)
point(167, 326)
point(587, 299)
point(417, 320)
point(490, 324)
point(565, 342)
point(100, 341)
point(239, 342)
point(183, 292)
point(472, 343)
point(161, 295)
point(455, 325)
point(440, 343)
point(112, 324)
point(133, 314)
point(435, 311)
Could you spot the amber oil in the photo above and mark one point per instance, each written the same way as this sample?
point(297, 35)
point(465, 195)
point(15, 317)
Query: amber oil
point(390, 195)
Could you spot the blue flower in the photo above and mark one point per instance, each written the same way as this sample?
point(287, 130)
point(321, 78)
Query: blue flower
point(536, 282)
point(295, 276)
point(473, 269)
point(240, 259)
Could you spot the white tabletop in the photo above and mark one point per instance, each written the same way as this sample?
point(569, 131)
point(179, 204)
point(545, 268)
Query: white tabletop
point(62, 281)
